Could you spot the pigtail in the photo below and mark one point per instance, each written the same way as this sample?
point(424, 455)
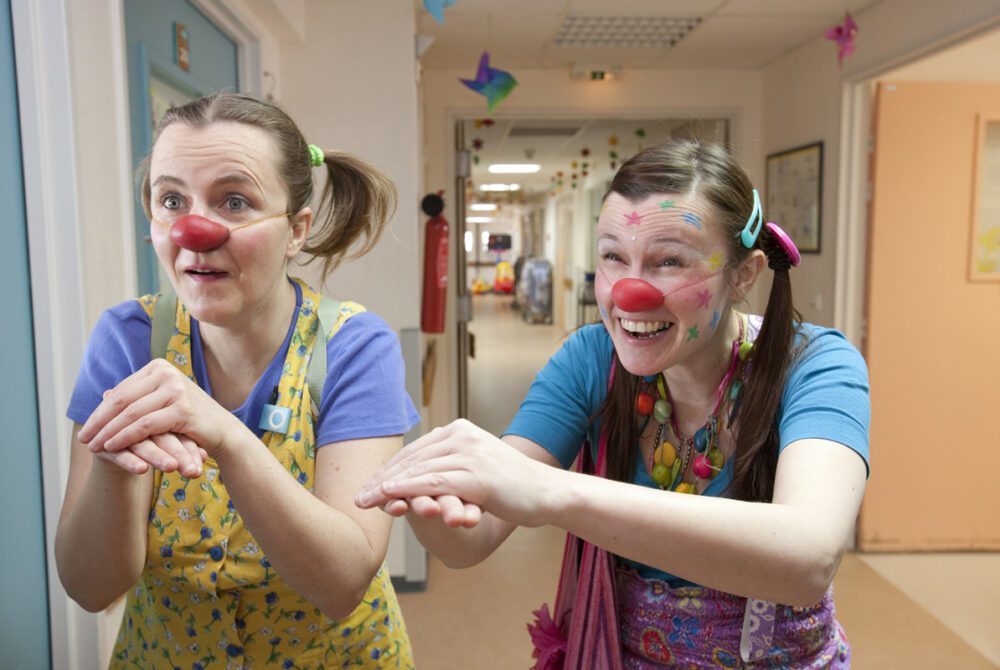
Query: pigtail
point(617, 414)
point(357, 202)
point(756, 421)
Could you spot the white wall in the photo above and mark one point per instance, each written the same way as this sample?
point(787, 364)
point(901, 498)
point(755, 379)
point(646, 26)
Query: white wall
point(805, 98)
point(541, 93)
point(351, 86)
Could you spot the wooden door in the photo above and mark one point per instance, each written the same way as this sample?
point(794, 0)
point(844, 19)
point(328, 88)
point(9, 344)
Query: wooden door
point(933, 340)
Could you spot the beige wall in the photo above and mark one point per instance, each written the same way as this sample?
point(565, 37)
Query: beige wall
point(541, 93)
point(803, 99)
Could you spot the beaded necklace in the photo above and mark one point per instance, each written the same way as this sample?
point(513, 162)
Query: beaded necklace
point(670, 459)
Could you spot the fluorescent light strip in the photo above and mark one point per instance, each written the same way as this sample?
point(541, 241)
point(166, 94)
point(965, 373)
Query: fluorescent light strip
point(514, 168)
point(483, 207)
point(500, 187)
point(479, 219)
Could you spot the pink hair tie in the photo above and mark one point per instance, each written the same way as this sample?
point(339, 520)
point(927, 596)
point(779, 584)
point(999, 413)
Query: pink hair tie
point(785, 242)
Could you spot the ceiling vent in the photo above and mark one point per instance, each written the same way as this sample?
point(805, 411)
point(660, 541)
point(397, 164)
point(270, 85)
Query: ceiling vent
point(635, 32)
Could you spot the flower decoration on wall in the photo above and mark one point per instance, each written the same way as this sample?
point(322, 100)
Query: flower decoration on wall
point(843, 34)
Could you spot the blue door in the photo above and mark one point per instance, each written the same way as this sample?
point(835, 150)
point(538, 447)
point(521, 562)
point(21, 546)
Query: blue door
point(156, 81)
point(24, 611)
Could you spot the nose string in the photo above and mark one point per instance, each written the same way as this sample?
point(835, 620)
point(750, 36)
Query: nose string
point(198, 233)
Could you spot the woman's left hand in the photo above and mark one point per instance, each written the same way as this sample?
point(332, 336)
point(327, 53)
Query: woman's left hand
point(156, 400)
point(474, 466)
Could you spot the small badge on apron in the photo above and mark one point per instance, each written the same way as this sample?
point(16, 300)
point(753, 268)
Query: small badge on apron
point(274, 417)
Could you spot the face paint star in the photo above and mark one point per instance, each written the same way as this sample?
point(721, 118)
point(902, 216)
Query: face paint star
point(666, 204)
point(693, 219)
point(633, 219)
point(715, 261)
point(703, 298)
point(693, 333)
point(436, 9)
point(715, 320)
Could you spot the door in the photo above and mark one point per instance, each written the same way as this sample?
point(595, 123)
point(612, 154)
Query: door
point(156, 33)
point(932, 334)
point(24, 614)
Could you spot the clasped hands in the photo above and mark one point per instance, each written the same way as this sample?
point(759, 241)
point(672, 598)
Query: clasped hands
point(457, 472)
point(157, 417)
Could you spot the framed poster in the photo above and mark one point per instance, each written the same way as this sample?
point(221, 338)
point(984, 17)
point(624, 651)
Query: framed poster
point(794, 194)
point(984, 239)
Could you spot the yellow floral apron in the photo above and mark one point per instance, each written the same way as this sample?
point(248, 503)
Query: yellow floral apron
point(208, 597)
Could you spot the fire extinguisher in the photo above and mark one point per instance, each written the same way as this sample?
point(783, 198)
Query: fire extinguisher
point(435, 265)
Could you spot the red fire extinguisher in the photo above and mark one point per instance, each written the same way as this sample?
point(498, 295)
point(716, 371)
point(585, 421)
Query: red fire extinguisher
point(435, 265)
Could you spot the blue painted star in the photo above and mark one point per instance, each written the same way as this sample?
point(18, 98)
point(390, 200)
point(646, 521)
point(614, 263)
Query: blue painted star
point(493, 83)
point(715, 319)
point(436, 8)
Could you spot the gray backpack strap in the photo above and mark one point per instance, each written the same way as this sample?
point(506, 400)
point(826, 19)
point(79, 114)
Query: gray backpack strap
point(163, 320)
point(327, 313)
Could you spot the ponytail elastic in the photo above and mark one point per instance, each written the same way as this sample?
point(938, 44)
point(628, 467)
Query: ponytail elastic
point(779, 248)
point(316, 155)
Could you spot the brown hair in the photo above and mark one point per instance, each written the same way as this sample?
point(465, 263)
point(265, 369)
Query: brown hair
point(690, 167)
point(356, 202)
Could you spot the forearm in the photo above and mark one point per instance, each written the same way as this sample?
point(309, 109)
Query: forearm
point(460, 547)
point(320, 552)
point(100, 545)
point(763, 550)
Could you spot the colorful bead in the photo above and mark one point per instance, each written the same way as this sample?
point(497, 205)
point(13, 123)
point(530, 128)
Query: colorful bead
point(644, 404)
point(701, 467)
point(745, 349)
point(666, 453)
point(662, 411)
point(660, 474)
point(734, 390)
point(685, 487)
point(716, 460)
point(649, 379)
point(675, 470)
point(701, 439)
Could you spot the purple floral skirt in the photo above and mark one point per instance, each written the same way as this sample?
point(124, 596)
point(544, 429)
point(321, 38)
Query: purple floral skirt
point(696, 627)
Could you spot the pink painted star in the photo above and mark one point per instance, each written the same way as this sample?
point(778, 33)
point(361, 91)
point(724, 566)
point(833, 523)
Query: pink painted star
point(703, 298)
point(633, 219)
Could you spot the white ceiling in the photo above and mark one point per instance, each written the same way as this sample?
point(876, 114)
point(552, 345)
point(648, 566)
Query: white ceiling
point(520, 33)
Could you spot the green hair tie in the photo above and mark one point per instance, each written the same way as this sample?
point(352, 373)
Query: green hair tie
point(316, 155)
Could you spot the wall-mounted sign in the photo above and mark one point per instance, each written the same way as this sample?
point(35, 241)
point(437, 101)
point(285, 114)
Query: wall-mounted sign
point(182, 51)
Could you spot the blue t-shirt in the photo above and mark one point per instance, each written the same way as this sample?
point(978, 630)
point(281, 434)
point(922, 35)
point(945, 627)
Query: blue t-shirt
point(363, 396)
point(825, 396)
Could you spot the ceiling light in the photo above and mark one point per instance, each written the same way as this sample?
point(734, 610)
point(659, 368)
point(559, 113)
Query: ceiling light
point(515, 168)
point(500, 187)
point(479, 219)
point(483, 207)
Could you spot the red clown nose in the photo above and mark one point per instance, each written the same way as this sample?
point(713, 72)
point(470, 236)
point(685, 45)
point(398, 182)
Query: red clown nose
point(635, 295)
point(196, 233)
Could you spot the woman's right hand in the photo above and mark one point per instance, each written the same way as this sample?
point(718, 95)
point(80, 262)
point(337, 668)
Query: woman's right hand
point(452, 510)
point(167, 452)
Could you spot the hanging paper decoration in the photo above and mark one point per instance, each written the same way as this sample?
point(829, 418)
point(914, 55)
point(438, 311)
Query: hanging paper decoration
point(843, 34)
point(585, 166)
point(436, 8)
point(640, 133)
point(479, 123)
point(477, 144)
point(585, 152)
point(490, 82)
point(574, 165)
point(613, 140)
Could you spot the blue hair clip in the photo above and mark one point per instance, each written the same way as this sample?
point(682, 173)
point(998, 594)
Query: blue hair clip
point(750, 232)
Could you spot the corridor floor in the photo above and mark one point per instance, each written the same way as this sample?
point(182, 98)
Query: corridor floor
point(899, 610)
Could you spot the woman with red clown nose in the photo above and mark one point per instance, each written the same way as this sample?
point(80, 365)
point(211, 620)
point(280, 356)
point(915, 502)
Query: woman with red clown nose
point(730, 450)
point(212, 468)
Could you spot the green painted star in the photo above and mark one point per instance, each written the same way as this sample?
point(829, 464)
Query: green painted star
point(666, 204)
point(693, 332)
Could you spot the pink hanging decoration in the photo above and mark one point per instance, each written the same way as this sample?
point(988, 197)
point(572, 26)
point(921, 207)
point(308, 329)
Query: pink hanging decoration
point(843, 34)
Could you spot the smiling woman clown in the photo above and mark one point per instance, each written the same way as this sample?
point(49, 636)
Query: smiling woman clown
point(736, 446)
point(210, 480)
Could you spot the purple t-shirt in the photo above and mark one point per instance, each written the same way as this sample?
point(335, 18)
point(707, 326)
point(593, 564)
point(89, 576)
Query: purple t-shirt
point(363, 396)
